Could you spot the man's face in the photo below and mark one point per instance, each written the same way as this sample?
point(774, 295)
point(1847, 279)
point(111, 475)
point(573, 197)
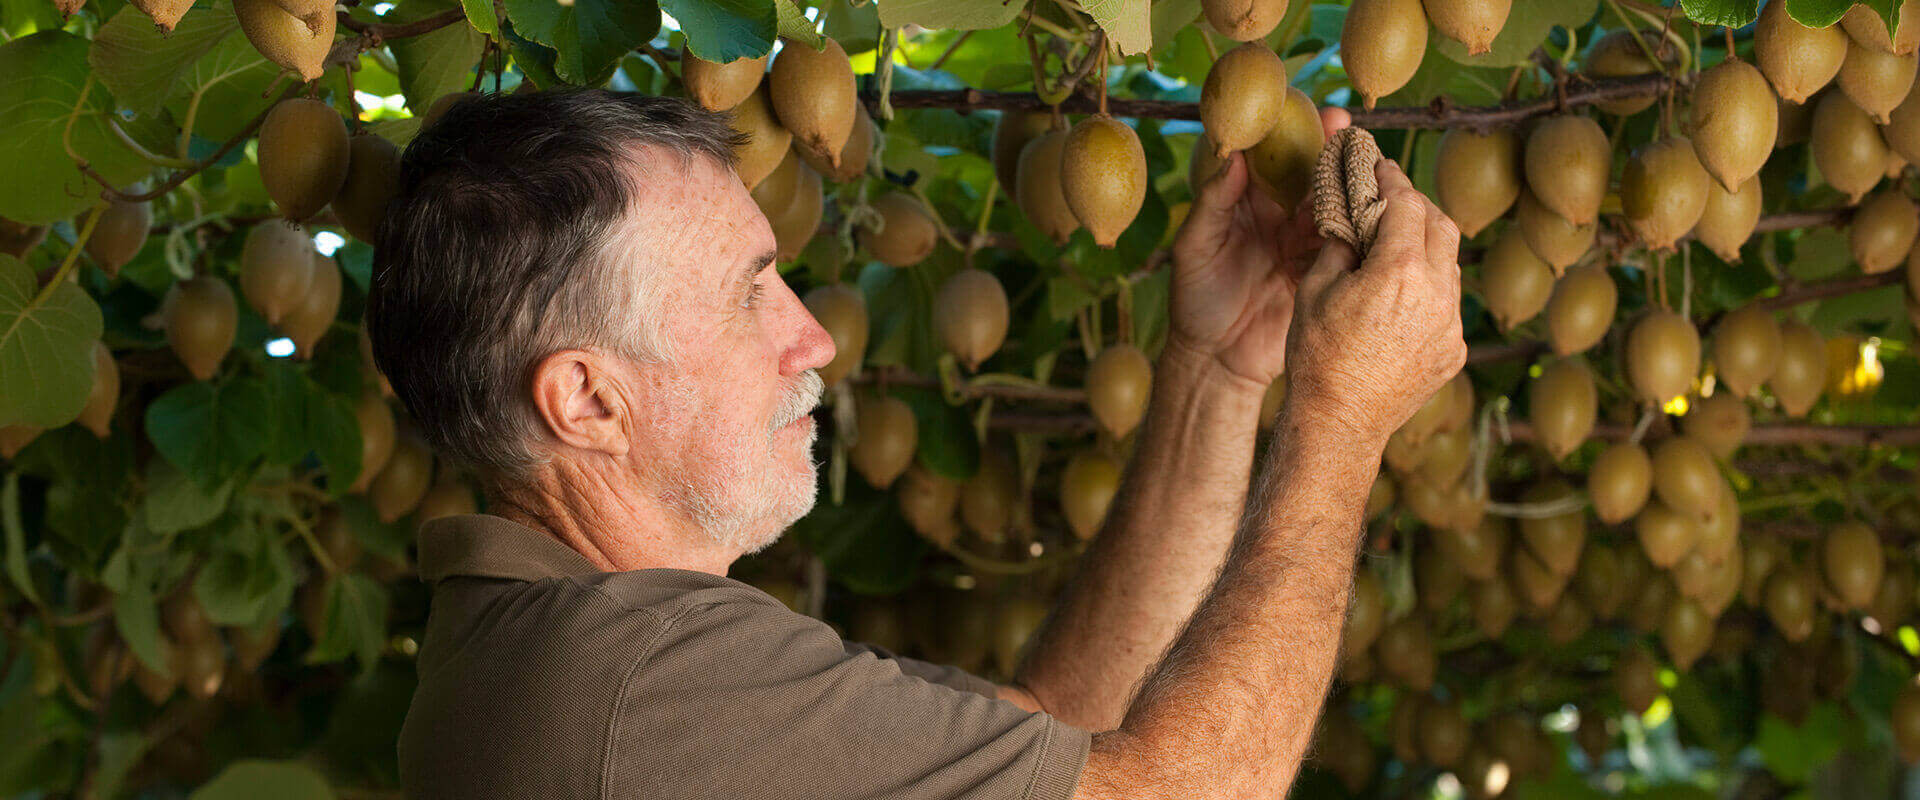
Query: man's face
point(724, 429)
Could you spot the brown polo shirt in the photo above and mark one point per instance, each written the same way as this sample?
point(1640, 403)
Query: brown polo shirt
point(541, 676)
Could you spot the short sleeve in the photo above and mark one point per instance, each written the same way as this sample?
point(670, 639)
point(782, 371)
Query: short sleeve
point(948, 676)
point(746, 700)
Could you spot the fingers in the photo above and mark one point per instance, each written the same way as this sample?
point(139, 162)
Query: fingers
point(1214, 204)
point(1390, 177)
point(1443, 245)
point(1333, 118)
point(1335, 259)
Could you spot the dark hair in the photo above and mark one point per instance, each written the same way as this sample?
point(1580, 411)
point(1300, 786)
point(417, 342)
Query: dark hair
point(496, 253)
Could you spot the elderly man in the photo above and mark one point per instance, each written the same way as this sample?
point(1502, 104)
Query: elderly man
point(574, 294)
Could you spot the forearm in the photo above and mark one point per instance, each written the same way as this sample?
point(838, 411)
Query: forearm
point(1164, 539)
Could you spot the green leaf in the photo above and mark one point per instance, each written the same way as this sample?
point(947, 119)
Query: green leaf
point(248, 578)
point(954, 14)
point(480, 14)
point(1169, 16)
point(1818, 13)
point(1127, 23)
point(310, 419)
point(253, 779)
point(44, 84)
point(725, 30)
point(356, 621)
point(137, 616)
point(46, 347)
point(1527, 26)
point(946, 435)
point(16, 538)
point(224, 90)
point(175, 503)
point(863, 542)
point(436, 63)
point(856, 29)
point(589, 36)
point(794, 23)
point(1792, 752)
point(209, 430)
point(141, 65)
point(1727, 13)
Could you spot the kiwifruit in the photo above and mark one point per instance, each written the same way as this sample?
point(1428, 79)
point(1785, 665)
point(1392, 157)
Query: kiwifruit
point(1556, 540)
point(1728, 219)
point(97, 414)
point(303, 153)
point(1746, 349)
point(201, 666)
point(403, 481)
point(1597, 580)
point(1882, 231)
point(1402, 455)
point(1563, 404)
point(927, 501)
point(1366, 614)
point(252, 645)
point(1666, 535)
point(1515, 283)
point(1473, 23)
point(1723, 584)
point(1405, 649)
point(1403, 726)
point(1686, 633)
point(906, 234)
point(1568, 161)
point(16, 238)
point(1103, 176)
point(1476, 176)
point(1663, 191)
point(375, 422)
point(165, 13)
point(1567, 620)
point(1896, 164)
point(1800, 373)
point(1637, 679)
point(199, 317)
point(814, 96)
point(1342, 747)
point(1791, 594)
point(1693, 576)
point(1284, 160)
point(1759, 558)
point(1432, 415)
point(307, 322)
point(1243, 20)
point(1865, 25)
point(1796, 59)
point(373, 178)
point(1463, 507)
point(1381, 45)
point(448, 497)
point(1893, 602)
point(284, 39)
point(1445, 457)
point(987, 499)
point(1552, 237)
point(1119, 382)
point(970, 316)
point(119, 234)
point(1493, 606)
point(338, 541)
point(1242, 97)
point(1536, 583)
point(1270, 402)
point(853, 155)
point(1010, 137)
point(1475, 551)
point(1685, 477)
point(1847, 148)
point(1038, 190)
point(1663, 356)
point(1876, 80)
point(1720, 422)
point(1617, 55)
point(1444, 734)
point(775, 193)
point(276, 269)
point(1735, 119)
point(1904, 718)
point(889, 434)
point(1901, 131)
point(718, 87)
point(842, 310)
point(1435, 580)
point(1581, 309)
point(1014, 623)
point(765, 141)
point(1087, 487)
point(1853, 563)
point(796, 225)
point(1461, 408)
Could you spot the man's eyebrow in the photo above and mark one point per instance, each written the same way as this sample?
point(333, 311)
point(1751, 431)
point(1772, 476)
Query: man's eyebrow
point(753, 268)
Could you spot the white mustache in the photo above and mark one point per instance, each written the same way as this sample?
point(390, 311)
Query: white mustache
point(800, 401)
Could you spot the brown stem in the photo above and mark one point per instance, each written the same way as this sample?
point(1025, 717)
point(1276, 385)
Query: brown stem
point(382, 31)
point(1775, 433)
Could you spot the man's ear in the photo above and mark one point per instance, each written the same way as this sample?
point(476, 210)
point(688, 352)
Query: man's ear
point(583, 406)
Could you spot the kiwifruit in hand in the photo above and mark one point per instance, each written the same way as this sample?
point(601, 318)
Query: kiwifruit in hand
point(927, 501)
point(1444, 734)
point(1536, 583)
point(276, 269)
point(403, 481)
point(1729, 218)
point(1882, 231)
point(1284, 160)
point(1846, 145)
point(1103, 176)
point(1038, 190)
point(119, 234)
point(1746, 349)
point(813, 96)
point(1366, 614)
point(1853, 563)
point(1876, 80)
point(16, 238)
point(1686, 633)
point(1475, 551)
point(1663, 356)
point(199, 317)
point(1790, 599)
point(1666, 535)
point(1552, 237)
point(307, 322)
point(1556, 540)
point(889, 434)
point(1493, 606)
point(1010, 137)
point(1381, 45)
point(1563, 405)
point(1720, 422)
point(1796, 59)
point(1514, 282)
point(1801, 372)
point(1243, 20)
point(1445, 457)
point(1685, 477)
point(449, 497)
point(970, 316)
point(1087, 487)
point(1476, 176)
point(853, 155)
point(1663, 191)
point(1864, 25)
point(1242, 97)
point(1735, 118)
point(1902, 129)
point(1473, 23)
point(1617, 55)
point(373, 178)
point(1581, 309)
point(842, 310)
point(987, 499)
point(97, 415)
point(718, 87)
point(303, 153)
point(1435, 580)
point(906, 235)
point(284, 39)
point(1119, 382)
point(1568, 162)
point(1619, 482)
point(765, 141)
point(1405, 649)
point(796, 225)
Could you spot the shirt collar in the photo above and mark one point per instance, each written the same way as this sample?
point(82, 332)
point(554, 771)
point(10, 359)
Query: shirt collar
point(486, 546)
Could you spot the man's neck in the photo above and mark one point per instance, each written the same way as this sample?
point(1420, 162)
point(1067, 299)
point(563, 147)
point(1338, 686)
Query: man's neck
point(617, 527)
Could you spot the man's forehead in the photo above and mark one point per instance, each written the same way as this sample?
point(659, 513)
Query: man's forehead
point(691, 209)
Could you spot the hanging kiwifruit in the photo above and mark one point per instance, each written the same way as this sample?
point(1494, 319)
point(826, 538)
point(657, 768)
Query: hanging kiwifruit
point(1567, 620)
point(119, 234)
point(1618, 55)
point(1118, 383)
point(1759, 561)
point(718, 87)
point(1381, 45)
point(1893, 603)
point(1343, 749)
point(1619, 482)
point(1791, 594)
point(1902, 129)
point(1475, 551)
point(1637, 679)
point(987, 499)
point(1663, 356)
point(1687, 631)
point(1445, 457)
point(1444, 734)
point(1720, 422)
point(927, 501)
point(1563, 404)
point(449, 497)
point(1556, 540)
point(764, 141)
point(307, 322)
point(373, 178)
point(252, 645)
point(1865, 25)
point(1405, 649)
point(1473, 23)
point(1243, 20)
point(1796, 124)
point(1800, 374)
point(1285, 158)
point(1876, 80)
point(1723, 585)
point(1038, 189)
point(1552, 237)
point(842, 310)
point(1882, 231)
point(1597, 579)
point(814, 96)
point(374, 420)
point(775, 193)
point(1535, 582)
point(1493, 606)
point(970, 316)
point(1728, 219)
point(284, 39)
point(1796, 59)
point(1514, 282)
point(1685, 477)
point(1087, 487)
point(1476, 176)
point(1581, 309)
point(1403, 726)
point(1735, 119)
point(276, 269)
point(1366, 614)
point(1014, 623)
point(888, 437)
point(199, 317)
point(853, 155)
point(97, 414)
point(1663, 190)
point(1010, 137)
point(1103, 176)
point(1666, 535)
point(1431, 417)
point(1720, 528)
point(303, 153)
point(1746, 349)
point(1846, 145)
point(1242, 97)
point(1568, 161)
point(1853, 563)
point(795, 226)
point(164, 13)
point(336, 538)
point(906, 234)
point(403, 481)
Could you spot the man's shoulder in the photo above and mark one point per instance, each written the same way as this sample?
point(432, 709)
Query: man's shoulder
point(669, 593)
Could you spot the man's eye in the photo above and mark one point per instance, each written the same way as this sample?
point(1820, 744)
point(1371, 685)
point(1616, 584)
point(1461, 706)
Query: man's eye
point(753, 294)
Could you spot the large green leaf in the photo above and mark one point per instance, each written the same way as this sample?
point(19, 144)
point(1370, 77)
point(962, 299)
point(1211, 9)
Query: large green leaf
point(436, 63)
point(137, 616)
point(209, 430)
point(1127, 23)
point(310, 419)
point(225, 89)
point(863, 542)
point(46, 348)
point(1792, 752)
point(174, 503)
point(1170, 16)
point(482, 15)
point(1726, 13)
point(589, 36)
point(1527, 26)
point(44, 85)
point(250, 780)
point(247, 580)
point(141, 65)
point(1817, 13)
point(951, 14)
point(725, 30)
point(356, 621)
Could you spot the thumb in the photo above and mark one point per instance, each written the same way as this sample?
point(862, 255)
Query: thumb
point(1214, 204)
point(1336, 259)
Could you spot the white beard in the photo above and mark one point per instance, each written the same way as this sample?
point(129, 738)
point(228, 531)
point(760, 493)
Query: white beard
point(745, 507)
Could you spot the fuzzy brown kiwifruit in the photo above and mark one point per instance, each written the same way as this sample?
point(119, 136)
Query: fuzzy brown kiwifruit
point(308, 321)
point(1720, 422)
point(1242, 97)
point(1846, 145)
point(1477, 176)
point(1865, 25)
point(927, 501)
point(853, 155)
point(1568, 162)
point(1038, 190)
point(1011, 133)
point(119, 234)
point(1087, 486)
point(1381, 45)
point(1686, 632)
point(403, 481)
point(1473, 23)
point(373, 178)
point(718, 87)
point(303, 153)
point(1735, 119)
point(1746, 349)
point(1791, 601)
point(1882, 231)
point(889, 435)
point(1556, 540)
point(987, 499)
point(813, 95)
point(1876, 80)
point(1620, 481)
point(1618, 55)
point(199, 316)
point(766, 141)
point(906, 234)
point(1103, 176)
point(1243, 20)
point(1665, 535)
point(1405, 650)
point(1901, 131)
point(449, 497)
point(1685, 477)
point(1796, 59)
point(970, 316)
point(1515, 283)
point(1852, 563)
point(1800, 374)
point(1562, 404)
point(1493, 606)
point(1119, 381)
point(374, 420)
point(1475, 551)
point(276, 268)
point(295, 44)
point(1554, 238)
point(795, 226)
point(1580, 311)
point(1728, 220)
point(1663, 191)
point(1284, 160)
point(1663, 356)
point(104, 395)
point(842, 311)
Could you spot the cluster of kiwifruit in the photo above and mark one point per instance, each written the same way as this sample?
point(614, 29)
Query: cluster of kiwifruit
point(1383, 41)
point(1092, 174)
point(295, 35)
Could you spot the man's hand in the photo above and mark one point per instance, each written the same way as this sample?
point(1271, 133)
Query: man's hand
point(1236, 263)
